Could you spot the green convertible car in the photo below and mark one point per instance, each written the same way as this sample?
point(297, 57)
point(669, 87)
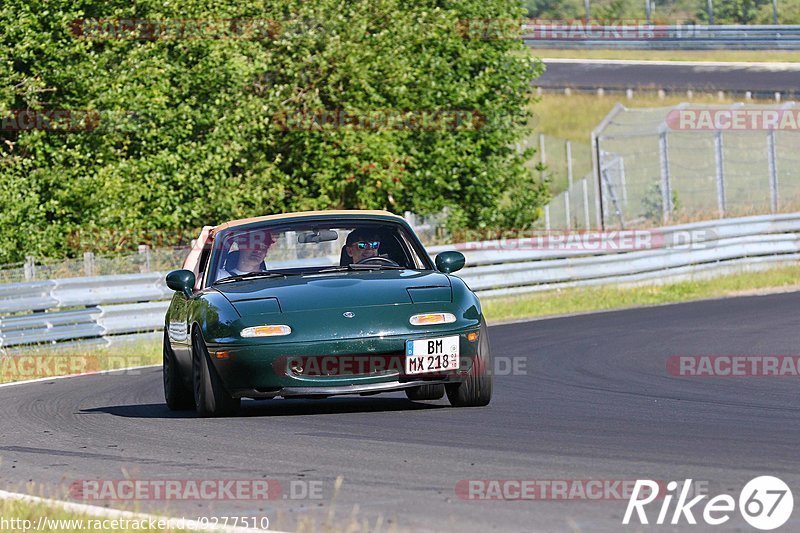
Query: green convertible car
point(311, 305)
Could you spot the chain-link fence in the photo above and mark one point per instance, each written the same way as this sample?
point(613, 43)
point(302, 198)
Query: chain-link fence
point(145, 260)
point(567, 167)
point(688, 163)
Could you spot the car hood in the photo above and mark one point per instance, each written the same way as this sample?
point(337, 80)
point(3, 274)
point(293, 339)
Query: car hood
point(337, 290)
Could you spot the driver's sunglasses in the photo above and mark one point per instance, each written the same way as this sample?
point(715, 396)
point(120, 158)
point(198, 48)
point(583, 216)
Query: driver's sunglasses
point(368, 245)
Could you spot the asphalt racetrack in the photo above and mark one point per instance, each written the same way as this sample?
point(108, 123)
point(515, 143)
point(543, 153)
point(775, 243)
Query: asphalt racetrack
point(762, 80)
point(593, 401)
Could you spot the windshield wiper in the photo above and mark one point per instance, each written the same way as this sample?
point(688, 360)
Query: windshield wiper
point(359, 267)
point(375, 267)
point(331, 269)
point(256, 275)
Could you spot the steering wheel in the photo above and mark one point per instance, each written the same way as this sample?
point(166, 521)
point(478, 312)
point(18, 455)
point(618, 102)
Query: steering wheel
point(377, 260)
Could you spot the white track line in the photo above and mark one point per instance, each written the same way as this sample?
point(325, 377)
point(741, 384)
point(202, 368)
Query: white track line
point(105, 512)
point(775, 66)
point(53, 378)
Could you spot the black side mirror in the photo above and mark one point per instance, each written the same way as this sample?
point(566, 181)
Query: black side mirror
point(449, 262)
point(181, 281)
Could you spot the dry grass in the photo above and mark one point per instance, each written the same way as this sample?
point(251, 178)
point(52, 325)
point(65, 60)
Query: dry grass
point(581, 300)
point(574, 117)
point(61, 516)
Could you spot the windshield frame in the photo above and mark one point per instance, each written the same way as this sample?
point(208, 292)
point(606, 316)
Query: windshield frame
point(408, 234)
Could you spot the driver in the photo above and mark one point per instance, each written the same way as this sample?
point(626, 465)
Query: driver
point(362, 243)
point(251, 251)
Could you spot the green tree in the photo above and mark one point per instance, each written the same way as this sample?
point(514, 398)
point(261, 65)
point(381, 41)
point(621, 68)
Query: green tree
point(555, 9)
point(190, 130)
point(733, 11)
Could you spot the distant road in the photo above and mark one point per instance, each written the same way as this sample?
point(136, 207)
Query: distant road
point(759, 78)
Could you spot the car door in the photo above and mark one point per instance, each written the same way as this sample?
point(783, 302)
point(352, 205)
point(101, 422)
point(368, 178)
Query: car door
point(178, 326)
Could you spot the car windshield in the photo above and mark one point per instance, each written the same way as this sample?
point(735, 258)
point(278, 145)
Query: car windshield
point(310, 247)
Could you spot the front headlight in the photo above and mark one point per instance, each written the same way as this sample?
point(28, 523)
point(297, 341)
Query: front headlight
point(266, 331)
point(432, 318)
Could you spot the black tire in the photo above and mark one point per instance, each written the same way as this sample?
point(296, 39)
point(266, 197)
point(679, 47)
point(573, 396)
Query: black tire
point(425, 392)
point(210, 397)
point(178, 396)
point(476, 389)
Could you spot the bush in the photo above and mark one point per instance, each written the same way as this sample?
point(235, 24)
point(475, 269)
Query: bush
point(193, 131)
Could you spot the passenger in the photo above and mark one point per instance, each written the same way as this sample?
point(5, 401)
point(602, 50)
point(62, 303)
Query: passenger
point(252, 248)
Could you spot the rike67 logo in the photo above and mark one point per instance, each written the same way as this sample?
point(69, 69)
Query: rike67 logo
point(765, 503)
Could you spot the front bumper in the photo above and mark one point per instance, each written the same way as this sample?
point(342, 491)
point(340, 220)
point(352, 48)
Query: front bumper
point(350, 366)
point(323, 391)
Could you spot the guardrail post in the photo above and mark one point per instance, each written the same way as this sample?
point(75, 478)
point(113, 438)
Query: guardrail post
point(666, 185)
point(88, 263)
point(773, 171)
point(144, 253)
point(30, 268)
point(720, 164)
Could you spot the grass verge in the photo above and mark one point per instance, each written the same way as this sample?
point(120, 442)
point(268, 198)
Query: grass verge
point(28, 516)
point(580, 300)
point(752, 56)
point(61, 361)
point(45, 515)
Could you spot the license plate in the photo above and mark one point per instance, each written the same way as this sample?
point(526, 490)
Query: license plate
point(432, 355)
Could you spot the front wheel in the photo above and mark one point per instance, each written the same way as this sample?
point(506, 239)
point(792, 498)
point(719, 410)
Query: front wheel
point(210, 396)
point(177, 395)
point(476, 389)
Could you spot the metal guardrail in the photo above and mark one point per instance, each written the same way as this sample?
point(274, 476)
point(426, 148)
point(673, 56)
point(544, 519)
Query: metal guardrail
point(128, 307)
point(632, 35)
